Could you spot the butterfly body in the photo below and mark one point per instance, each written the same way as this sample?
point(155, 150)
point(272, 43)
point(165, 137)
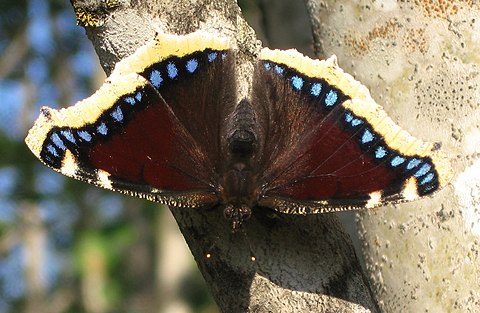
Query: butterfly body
point(167, 126)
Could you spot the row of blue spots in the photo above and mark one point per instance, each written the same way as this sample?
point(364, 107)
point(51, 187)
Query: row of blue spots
point(156, 78)
point(51, 149)
point(132, 100)
point(117, 114)
point(423, 173)
point(58, 142)
point(280, 70)
point(298, 83)
point(422, 170)
point(352, 120)
point(367, 136)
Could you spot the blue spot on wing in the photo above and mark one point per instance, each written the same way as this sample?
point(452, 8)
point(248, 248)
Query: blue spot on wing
point(297, 82)
point(84, 135)
point(156, 78)
point(348, 117)
point(422, 170)
point(267, 66)
point(352, 120)
point(117, 114)
point(138, 96)
point(192, 65)
point(102, 129)
point(413, 163)
point(280, 70)
point(130, 100)
point(57, 141)
point(427, 179)
point(316, 89)
point(331, 98)
point(396, 161)
point(172, 70)
point(212, 56)
point(356, 122)
point(51, 149)
point(380, 152)
point(367, 136)
point(68, 134)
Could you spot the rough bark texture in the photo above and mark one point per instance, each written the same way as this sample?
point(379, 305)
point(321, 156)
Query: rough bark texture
point(304, 264)
point(420, 60)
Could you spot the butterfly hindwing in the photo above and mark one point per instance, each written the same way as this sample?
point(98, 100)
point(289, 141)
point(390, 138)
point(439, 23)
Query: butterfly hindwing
point(143, 134)
point(344, 151)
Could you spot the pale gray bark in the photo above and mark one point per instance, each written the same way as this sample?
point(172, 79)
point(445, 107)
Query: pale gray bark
point(420, 61)
point(304, 264)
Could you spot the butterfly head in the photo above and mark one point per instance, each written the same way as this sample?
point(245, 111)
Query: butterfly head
point(238, 193)
point(236, 214)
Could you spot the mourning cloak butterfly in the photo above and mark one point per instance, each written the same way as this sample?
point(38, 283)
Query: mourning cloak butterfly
point(166, 126)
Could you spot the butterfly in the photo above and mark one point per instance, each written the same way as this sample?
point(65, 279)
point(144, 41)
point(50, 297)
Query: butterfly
point(167, 126)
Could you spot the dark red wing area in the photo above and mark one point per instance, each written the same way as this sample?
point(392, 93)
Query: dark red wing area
point(151, 148)
point(311, 148)
point(335, 167)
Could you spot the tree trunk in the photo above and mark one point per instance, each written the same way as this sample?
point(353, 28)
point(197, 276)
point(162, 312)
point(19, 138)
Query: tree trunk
point(420, 60)
point(303, 263)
